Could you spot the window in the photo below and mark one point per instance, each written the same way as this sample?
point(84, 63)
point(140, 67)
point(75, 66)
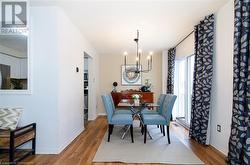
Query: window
point(183, 88)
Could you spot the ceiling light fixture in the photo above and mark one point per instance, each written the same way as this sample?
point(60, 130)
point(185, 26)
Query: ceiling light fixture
point(138, 68)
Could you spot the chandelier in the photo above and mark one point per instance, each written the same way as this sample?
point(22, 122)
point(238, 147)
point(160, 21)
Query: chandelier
point(138, 65)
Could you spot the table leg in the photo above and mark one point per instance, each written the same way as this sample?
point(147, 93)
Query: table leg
point(126, 131)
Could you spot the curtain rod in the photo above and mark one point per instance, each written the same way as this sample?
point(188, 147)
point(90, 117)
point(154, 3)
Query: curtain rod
point(184, 39)
point(6, 54)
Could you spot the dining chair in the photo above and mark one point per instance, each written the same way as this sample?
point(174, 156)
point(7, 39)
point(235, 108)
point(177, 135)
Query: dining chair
point(116, 118)
point(162, 118)
point(157, 109)
point(118, 110)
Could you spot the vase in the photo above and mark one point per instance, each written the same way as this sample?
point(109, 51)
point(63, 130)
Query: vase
point(136, 102)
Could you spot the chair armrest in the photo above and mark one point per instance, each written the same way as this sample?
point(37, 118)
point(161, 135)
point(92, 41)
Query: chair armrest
point(22, 130)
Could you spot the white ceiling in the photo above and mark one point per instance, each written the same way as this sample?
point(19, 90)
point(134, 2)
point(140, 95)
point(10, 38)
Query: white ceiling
point(17, 43)
point(110, 26)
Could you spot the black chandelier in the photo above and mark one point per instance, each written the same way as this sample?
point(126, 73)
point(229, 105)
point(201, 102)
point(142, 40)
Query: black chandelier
point(138, 66)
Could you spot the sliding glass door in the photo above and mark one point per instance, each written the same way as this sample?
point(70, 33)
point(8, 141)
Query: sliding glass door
point(184, 69)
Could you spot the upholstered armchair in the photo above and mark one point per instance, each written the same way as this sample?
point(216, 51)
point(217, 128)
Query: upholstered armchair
point(115, 118)
point(162, 118)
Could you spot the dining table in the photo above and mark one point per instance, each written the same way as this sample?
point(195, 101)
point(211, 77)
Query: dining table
point(136, 110)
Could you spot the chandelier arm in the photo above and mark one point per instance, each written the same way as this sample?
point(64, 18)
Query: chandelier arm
point(139, 68)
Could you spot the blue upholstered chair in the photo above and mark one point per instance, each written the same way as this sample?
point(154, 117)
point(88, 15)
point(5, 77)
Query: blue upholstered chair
point(116, 118)
point(162, 118)
point(158, 109)
point(118, 110)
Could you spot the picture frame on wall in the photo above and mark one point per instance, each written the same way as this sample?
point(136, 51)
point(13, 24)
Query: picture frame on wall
point(130, 78)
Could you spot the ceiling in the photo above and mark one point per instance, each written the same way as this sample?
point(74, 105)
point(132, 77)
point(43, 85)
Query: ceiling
point(110, 26)
point(18, 43)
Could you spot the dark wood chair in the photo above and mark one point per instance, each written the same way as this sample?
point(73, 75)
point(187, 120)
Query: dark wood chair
point(11, 140)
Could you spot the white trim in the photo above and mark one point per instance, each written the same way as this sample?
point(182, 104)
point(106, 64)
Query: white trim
point(62, 147)
point(70, 140)
point(102, 114)
point(47, 151)
point(92, 118)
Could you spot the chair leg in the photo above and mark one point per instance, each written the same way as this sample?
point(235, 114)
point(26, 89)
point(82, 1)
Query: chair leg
point(11, 155)
point(34, 142)
point(145, 133)
point(12, 148)
point(142, 129)
point(168, 134)
point(163, 129)
point(131, 133)
point(34, 146)
point(157, 126)
point(110, 129)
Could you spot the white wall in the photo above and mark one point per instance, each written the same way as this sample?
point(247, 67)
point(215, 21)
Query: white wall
point(222, 90)
point(41, 105)
point(186, 48)
point(56, 102)
point(71, 86)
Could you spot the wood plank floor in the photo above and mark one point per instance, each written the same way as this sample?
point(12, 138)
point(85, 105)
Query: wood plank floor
point(82, 150)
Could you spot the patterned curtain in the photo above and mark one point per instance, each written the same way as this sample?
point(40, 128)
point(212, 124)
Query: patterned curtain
point(239, 142)
point(171, 65)
point(203, 70)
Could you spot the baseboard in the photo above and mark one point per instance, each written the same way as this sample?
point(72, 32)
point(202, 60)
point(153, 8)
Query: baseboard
point(222, 155)
point(67, 143)
point(47, 151)
point(92, 118)
point(61, 148)
point(102, 114)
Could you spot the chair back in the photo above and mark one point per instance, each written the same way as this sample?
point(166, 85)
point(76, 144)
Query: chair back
point(160, 102)
point(112, 101)
point(108, 107)
point(168, 107)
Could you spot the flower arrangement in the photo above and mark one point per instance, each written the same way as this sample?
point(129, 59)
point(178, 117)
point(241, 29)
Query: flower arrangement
point(136, 96)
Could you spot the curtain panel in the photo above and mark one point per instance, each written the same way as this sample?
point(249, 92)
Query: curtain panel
point(171, 67)
point(202, 84)
point(239, 142)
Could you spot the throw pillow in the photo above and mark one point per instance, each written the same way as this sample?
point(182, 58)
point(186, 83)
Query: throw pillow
point(9, 118)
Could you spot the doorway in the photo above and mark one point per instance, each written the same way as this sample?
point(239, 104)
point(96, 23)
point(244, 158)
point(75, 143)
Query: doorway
point(183, 88)
point(86, 76)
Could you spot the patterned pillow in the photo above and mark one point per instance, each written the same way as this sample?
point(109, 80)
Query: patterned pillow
point(9, 118)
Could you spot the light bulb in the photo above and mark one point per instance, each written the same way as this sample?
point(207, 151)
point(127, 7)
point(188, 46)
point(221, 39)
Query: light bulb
point(140, 51)
point(151, 53)
point(148, 57)
point(125, 53)
point(137, 58)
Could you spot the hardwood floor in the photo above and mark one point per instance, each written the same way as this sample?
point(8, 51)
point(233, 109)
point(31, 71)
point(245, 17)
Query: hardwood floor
point(82, 150)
